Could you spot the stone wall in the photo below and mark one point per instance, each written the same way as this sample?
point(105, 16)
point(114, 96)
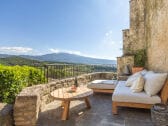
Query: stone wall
point(33, 100)
point(126, 42)
point(122, 62)
point(148, 30)
point(157, 34)
point(133, 39)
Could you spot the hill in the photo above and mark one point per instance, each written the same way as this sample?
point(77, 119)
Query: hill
point(15, 60)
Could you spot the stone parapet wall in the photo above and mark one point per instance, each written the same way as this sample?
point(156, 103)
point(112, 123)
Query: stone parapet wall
point(33, 100)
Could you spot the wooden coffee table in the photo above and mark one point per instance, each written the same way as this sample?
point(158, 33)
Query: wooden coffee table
point(66, 95)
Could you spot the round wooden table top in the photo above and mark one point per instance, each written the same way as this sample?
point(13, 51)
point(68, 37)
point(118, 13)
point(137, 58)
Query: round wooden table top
point(66, 93)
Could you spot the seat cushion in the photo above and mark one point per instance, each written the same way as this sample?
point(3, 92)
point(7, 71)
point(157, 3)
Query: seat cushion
point(103, 84)
point(124, 94)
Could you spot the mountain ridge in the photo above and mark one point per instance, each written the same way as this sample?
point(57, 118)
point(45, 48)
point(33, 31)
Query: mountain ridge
point(64, 57)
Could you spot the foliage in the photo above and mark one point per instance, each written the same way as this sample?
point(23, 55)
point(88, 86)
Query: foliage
point(140, 58)
point(14, 78)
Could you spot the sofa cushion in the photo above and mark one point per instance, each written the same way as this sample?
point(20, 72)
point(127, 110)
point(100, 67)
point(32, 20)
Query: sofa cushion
point(124, 94)
point(154, 82)
point(103, 84)
point(138, 84)
point(133, 77)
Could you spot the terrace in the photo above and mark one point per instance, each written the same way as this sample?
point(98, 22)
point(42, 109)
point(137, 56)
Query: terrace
point(50, 109)
point(148, 31)
point(100, 112)
point(99, 115)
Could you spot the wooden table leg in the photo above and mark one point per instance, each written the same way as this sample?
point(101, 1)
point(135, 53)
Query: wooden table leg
point(65, 112)
point(62, 104)
point(87, 103)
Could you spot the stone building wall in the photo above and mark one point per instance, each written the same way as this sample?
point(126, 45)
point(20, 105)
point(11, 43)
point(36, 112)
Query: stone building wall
point(148, 30)
point(126, 41)
point(33, 100)
point(157, 34)
point(133, 39)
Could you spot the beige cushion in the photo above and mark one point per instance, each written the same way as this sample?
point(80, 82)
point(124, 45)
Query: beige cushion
point(103, 84)
point(138, 84)
point(131, 79)
point(124, 94)
point(154, 83)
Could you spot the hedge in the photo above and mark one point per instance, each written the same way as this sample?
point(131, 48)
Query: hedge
point(14, 78)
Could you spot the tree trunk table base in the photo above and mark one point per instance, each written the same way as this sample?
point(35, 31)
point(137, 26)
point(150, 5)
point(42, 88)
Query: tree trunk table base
point(66, 95)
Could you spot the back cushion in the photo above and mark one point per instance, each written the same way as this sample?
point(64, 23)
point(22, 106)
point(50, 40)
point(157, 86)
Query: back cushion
point(154, 83)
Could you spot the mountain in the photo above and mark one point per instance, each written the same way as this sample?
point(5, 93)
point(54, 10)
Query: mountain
point(68, 58)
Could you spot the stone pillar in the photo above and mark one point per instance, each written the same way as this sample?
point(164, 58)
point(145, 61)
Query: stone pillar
point(26, 110)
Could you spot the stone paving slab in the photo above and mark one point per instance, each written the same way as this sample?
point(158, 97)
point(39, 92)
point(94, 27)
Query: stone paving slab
point(99, 115)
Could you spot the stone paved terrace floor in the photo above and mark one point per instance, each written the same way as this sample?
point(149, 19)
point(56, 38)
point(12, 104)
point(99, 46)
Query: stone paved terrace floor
point(99, 115)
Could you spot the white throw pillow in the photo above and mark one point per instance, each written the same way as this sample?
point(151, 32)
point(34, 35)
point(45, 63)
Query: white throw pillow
point(138, 84)
point(154, 82)
point(131, 79)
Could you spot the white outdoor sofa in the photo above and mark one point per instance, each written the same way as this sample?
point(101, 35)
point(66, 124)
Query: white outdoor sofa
point(124, 97)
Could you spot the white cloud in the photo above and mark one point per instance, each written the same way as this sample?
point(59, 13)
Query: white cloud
point(15, 50)
point(108, 40)
point(65, 51)
point(109, 33)
point(109, 48)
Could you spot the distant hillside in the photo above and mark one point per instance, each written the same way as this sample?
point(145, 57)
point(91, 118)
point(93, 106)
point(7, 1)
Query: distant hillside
point(70, 58)
point(56, 57)
point(15, 60)
point(4, 55)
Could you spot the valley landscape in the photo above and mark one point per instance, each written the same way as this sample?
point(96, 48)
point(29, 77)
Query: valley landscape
point(29, 60)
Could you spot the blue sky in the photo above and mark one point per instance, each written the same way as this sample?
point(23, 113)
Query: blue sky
point(85, 27)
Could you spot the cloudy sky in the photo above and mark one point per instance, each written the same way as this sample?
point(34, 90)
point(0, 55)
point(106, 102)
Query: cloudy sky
point(84, 27)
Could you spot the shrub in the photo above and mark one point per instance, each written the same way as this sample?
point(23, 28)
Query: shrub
point(140, 58)
point(14, 78)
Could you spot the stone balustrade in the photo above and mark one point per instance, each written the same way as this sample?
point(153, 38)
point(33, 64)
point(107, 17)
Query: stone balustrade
point(33, 100)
